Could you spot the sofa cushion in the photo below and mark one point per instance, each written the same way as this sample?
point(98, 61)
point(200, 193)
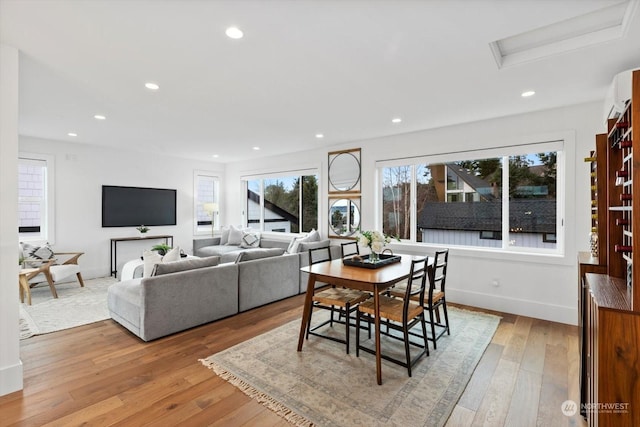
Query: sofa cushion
point(224, 236)
point(259, 253)
point(313, 236)
point(184, 265)
point(150, 259)
point(250, 239)
point(235, 236)
point(217, 250)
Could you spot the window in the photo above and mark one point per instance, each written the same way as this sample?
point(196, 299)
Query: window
point(283, 203)
point(206, 202)
point(460, 201)
point(35, 198)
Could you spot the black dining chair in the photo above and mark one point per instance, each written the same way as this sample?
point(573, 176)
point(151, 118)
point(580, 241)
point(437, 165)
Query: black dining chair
point(400, 314)
point(436, 297)
point(349, 248)
point(343, 300)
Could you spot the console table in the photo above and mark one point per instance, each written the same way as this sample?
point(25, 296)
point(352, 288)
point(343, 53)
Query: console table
point(113, 264)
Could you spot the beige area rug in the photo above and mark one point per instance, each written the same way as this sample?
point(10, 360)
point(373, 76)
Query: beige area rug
point(323, 386)
point(75, 306)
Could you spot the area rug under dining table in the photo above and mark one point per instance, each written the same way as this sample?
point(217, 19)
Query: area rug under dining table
point(323, 386)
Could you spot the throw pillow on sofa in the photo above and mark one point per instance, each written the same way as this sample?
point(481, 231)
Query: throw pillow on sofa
point(313, 236)
point(235, 236)
point(151, 258)
point(224, 235)
point(250, 239)
point(185, 265)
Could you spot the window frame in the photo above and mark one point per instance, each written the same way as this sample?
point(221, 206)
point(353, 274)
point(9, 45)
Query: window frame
point(244, 179)
point(563, 143)
point(47, 229)
point(197, 230)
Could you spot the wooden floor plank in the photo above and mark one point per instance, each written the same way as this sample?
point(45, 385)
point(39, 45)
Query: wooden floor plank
point(100, 374)
point(523, 410)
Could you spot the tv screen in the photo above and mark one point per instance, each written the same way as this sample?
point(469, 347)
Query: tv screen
point(134, 206)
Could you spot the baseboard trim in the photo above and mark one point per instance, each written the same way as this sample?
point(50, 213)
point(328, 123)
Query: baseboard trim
point(11, 378)
point(535, 309)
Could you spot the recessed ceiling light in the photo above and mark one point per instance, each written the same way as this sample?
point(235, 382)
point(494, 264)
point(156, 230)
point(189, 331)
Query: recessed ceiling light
point(215, 156)
point(528, 93)
point(151, 86)
point(234, 33)
point(396, 120)
point(256, 148)
point(319, 135)
point(72, 134)
point(99, 117)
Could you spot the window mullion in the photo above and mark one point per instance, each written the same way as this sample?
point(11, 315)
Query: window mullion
point(505, 203)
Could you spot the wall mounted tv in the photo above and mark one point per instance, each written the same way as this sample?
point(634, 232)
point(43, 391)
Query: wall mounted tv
point(134, 206)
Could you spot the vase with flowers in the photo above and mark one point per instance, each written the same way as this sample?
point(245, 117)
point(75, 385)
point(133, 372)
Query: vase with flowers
point(375, 241)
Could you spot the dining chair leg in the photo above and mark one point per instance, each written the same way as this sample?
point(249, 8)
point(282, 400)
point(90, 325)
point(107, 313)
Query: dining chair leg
point(424, 334)
point(433, 328)
point(358, 333)
point(309, 324)
point(346, 324)
point(407, 353)
point(446, 316)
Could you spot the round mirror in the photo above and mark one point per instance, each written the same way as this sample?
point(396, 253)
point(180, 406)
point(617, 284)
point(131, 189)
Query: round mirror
point(344, 217)
point(344, 172)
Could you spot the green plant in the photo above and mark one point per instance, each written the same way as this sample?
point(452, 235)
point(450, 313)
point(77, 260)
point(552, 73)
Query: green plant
point(162, 248)
point(142, 229)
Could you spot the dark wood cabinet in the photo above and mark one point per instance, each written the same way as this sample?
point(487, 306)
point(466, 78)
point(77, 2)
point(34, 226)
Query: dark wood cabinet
point(609, 286)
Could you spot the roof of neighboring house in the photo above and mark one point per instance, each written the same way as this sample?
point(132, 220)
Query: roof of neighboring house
point(526, 215)
point(253, 196)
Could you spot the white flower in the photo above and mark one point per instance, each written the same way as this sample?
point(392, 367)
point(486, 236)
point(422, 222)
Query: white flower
point(377, 246)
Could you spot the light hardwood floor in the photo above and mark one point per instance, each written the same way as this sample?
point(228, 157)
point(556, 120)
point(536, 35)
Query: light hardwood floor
point(100, 375)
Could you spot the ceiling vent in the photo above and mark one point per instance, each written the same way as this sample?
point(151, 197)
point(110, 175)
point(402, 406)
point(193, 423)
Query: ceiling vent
point(602, 25)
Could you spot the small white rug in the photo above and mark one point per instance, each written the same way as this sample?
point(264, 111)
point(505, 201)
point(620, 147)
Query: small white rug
point(75, 306)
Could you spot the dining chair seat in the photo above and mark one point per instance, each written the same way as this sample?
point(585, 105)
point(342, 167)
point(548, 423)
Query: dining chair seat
point(392, 308)
point(340, 297)
point(399, 291)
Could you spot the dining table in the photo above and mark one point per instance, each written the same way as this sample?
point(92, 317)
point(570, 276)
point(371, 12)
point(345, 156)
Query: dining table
point(372, 280)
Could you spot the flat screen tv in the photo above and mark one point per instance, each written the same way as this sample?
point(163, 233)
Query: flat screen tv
point(134, 206)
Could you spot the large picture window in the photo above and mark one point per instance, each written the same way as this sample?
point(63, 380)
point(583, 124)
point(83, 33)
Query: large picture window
point(283, 203)
point(464, 200)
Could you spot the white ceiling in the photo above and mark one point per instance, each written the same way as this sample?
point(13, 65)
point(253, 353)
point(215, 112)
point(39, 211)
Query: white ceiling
point(341, 68)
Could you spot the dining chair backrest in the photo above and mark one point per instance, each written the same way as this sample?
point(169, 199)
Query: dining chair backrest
point(440, 269)
point(317, 255)
point(350, 248)
point(417, 281)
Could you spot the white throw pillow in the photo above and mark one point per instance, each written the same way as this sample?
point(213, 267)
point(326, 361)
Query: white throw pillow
point(224, 236)
point(313, 236)
point(250, 239)
point(235, 236)
point(150, 259)
point(172, 255)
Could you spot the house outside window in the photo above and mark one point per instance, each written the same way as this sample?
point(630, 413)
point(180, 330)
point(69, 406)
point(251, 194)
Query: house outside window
point(462, 202)
point(285, 203)
point(35, 198)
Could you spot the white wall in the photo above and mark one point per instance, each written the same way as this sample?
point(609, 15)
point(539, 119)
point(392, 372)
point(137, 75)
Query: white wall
point(10, 364)
point(80, 172)
point(537, 286)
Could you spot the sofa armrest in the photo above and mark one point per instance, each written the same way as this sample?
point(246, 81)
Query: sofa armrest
point(207, 241)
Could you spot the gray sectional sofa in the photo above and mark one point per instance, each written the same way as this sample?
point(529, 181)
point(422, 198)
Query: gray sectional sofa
point(179, 299)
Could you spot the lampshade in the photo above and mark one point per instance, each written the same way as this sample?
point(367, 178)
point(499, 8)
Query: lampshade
point(210, 208)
